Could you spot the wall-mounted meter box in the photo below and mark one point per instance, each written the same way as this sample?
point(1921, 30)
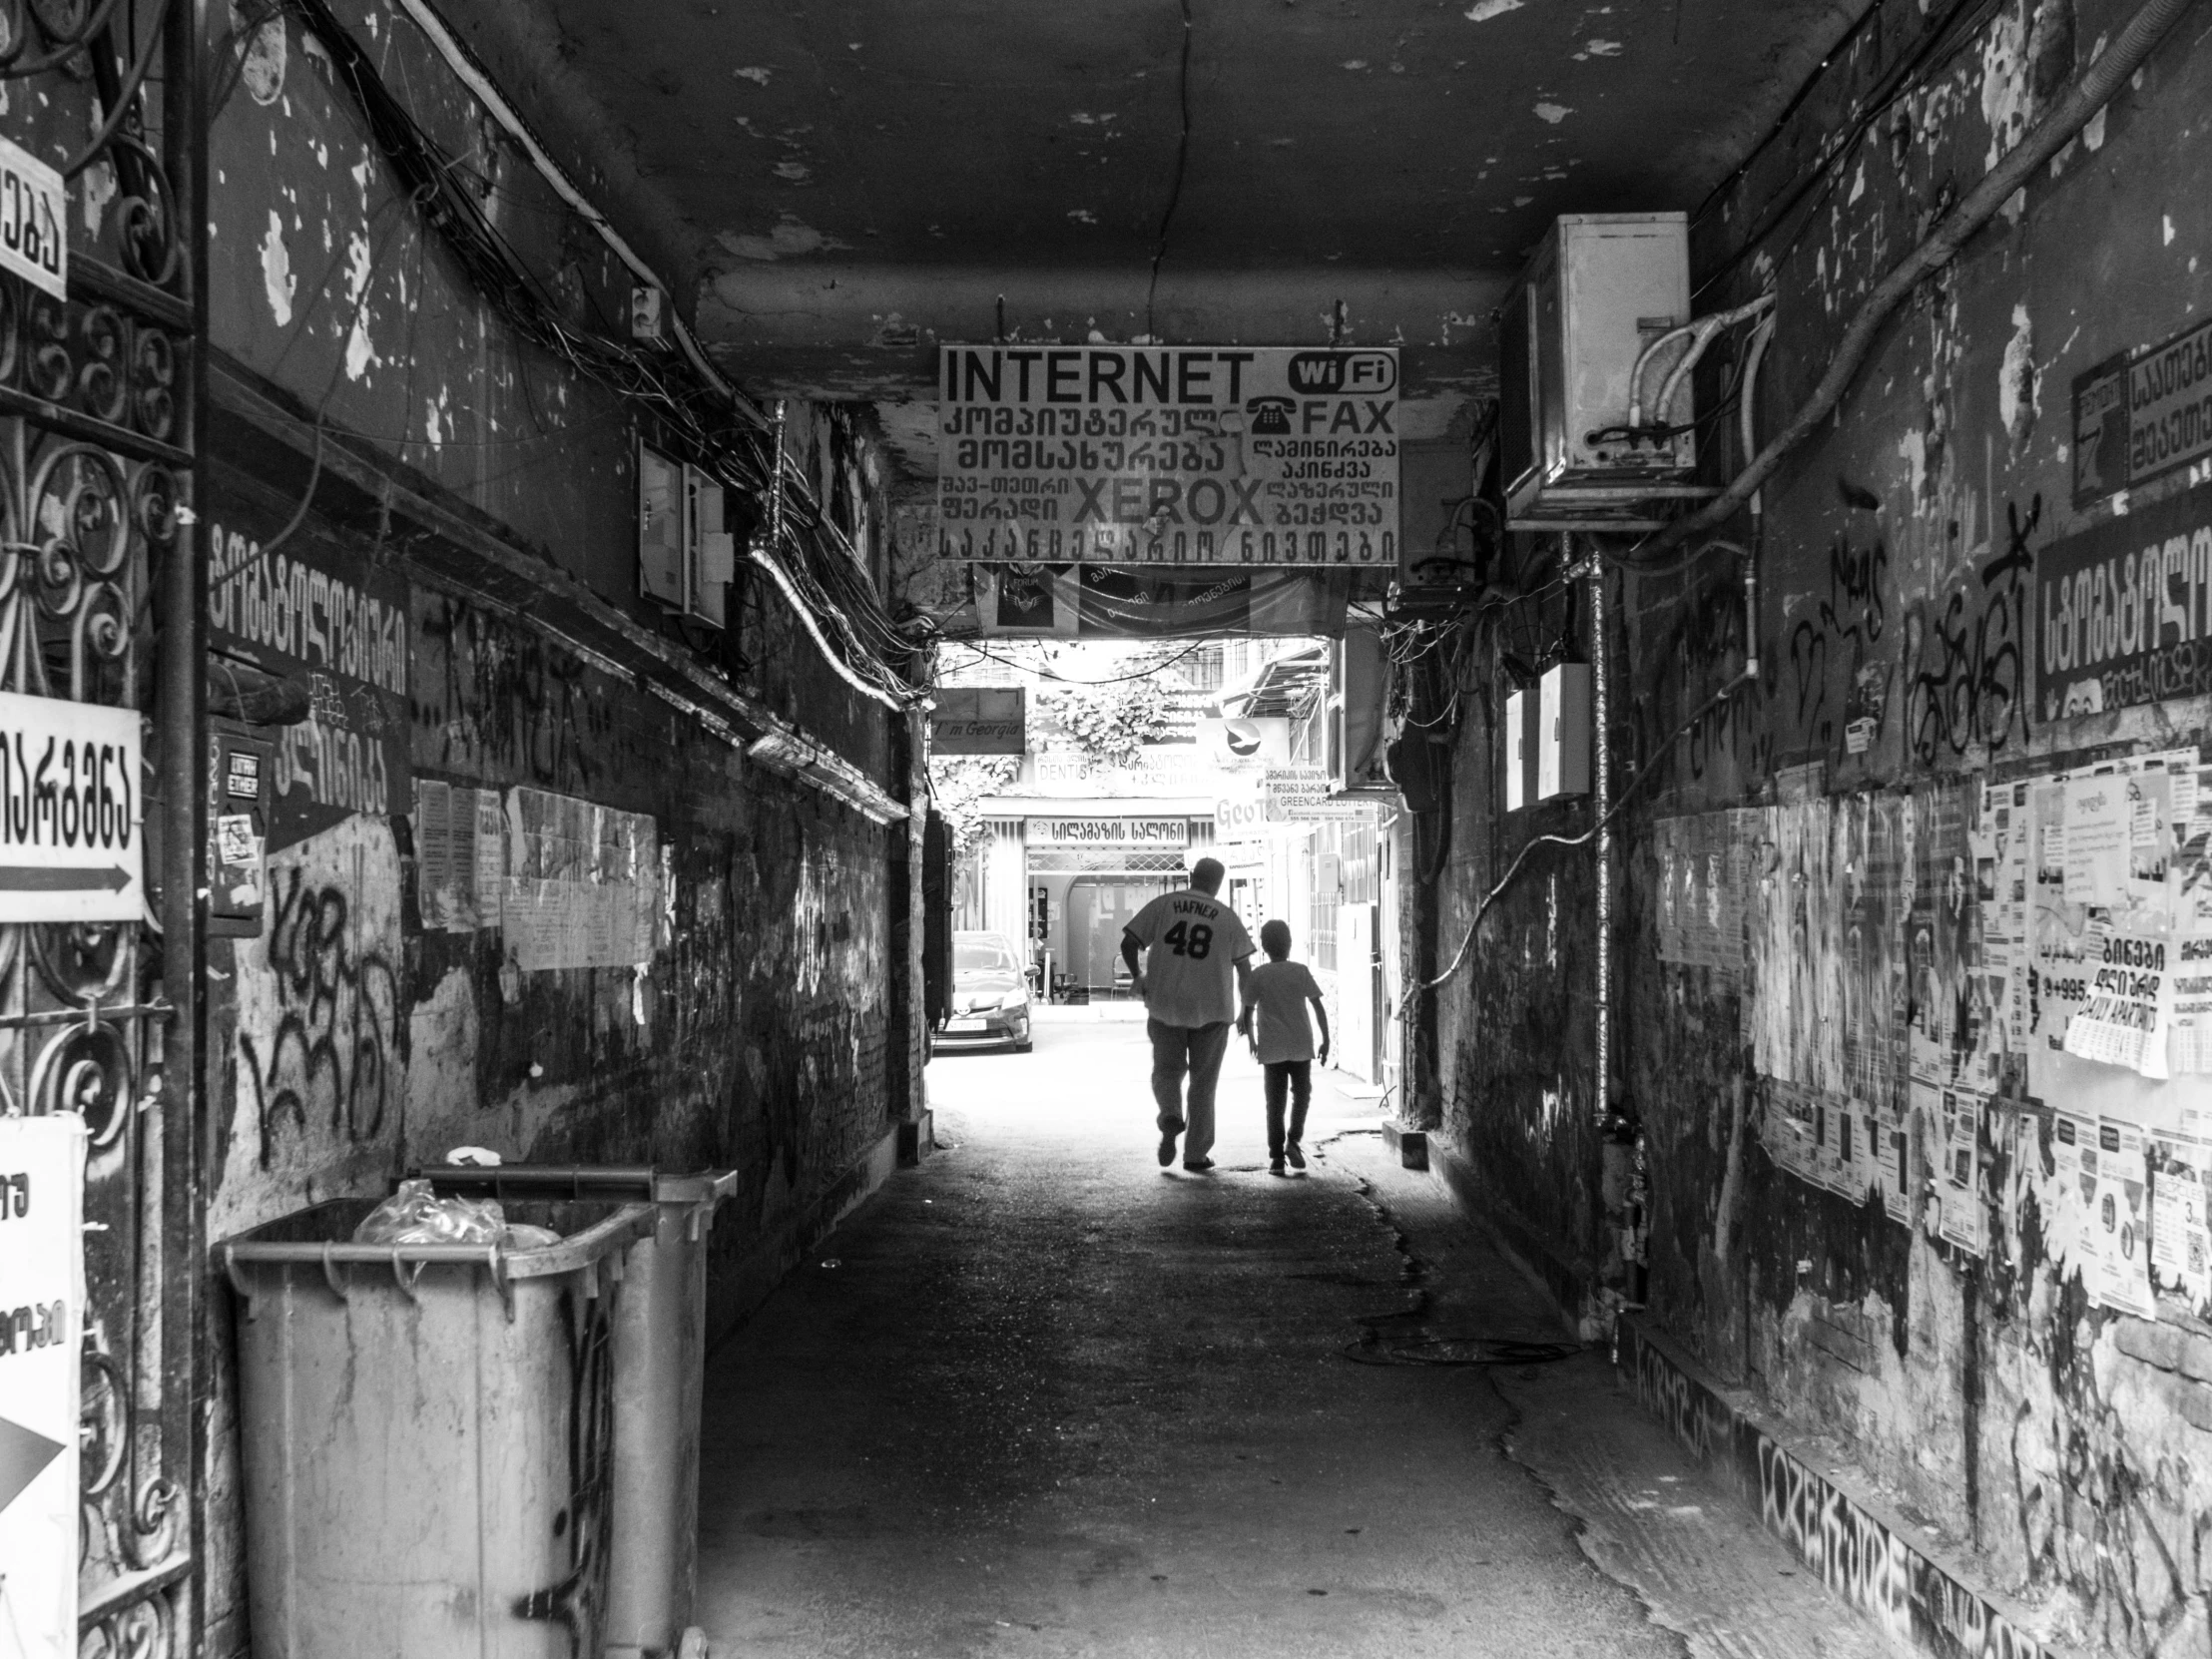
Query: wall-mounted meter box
point(1600, 288)
point(1563, 731)
point(1520, 749)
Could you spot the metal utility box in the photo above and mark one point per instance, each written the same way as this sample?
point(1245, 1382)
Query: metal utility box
point(1600, 288)
point(1520, 749)
point(1563, 731)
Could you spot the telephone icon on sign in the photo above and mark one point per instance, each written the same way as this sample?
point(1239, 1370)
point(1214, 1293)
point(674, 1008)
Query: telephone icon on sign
point(1271, 417)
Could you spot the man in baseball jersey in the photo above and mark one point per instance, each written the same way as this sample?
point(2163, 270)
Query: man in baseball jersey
point(1198, 962)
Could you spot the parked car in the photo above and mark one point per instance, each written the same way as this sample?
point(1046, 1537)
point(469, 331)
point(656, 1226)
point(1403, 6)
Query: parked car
point(991, 994)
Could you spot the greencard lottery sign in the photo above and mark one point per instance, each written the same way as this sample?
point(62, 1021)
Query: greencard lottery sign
point(1180, 455)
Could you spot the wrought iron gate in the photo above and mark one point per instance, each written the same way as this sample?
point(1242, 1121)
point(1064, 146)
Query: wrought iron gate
point(97, 604)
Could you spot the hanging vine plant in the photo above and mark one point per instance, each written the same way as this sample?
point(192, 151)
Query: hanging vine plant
point(1110, 725)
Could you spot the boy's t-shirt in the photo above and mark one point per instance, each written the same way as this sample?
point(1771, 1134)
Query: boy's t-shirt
point(1278, 993)
point(1195, 944)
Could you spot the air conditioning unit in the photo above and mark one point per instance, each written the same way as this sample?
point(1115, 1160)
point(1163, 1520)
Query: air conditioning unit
point(1602, 287)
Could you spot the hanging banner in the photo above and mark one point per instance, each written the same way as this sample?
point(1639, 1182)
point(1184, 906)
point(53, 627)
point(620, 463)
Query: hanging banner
point(42, 1185)
point(1125, 454)
point(317, 612)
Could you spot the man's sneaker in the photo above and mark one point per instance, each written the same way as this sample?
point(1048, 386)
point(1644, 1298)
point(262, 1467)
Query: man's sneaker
point(1167, 1148)
point(1297, 1157)
point(1275, 1166)
point(1198, 1166)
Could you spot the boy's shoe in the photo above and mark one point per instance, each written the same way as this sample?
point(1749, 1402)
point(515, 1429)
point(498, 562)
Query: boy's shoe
point(1198, 1166)
point(1275, 1166)
point(1166, 1147)
point(1297, 1157)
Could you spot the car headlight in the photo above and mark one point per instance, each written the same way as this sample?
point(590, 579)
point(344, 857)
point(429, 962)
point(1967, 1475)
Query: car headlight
point(1014, 999)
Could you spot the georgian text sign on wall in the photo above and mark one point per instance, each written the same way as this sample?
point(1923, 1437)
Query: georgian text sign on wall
point(1134, 455)
point(2142, 414)
point(1110, 832)
point(70, 812)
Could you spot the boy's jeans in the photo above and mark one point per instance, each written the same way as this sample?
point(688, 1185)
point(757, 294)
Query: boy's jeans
point(1197, 1049)
point(1295, 1077)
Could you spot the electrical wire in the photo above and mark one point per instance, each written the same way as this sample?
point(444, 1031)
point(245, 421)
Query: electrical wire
point(682, 415)
point(1175, 179)
point(1621, 803)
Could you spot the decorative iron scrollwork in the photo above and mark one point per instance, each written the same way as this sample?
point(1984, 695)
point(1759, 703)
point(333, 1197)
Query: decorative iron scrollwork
point(95, 446)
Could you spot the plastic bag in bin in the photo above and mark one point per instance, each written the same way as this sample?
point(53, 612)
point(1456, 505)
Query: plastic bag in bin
point(415, 1215)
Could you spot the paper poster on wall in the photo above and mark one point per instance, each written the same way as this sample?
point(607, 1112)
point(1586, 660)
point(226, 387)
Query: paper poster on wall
point(2098, 822)
point(1873, 864)
point(2124, 1019)
point(583, 884)
point(2118, 1224)
point(2180, 1160)
point(459, 876)
point(1951, 1120)
point(42, 1183)
point(1941, 947)
point(2074, 1150)
point(2004, 881)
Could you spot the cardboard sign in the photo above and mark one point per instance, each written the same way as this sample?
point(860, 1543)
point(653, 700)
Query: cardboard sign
point(70, 812)
point(42, 1325)
point(1134, 455)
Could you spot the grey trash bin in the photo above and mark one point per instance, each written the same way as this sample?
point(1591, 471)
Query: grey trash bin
point(660, 1341)
point(426, 1434)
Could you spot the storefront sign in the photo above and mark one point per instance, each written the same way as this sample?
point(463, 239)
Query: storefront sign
point(317, 612)
point(70, 812)
point(979, 721)
point(1242, 817)
point(1123, 455)
point(34, 208)
point(1296, 794)
point(2124, 609)
point(1110, 832)
point(2142, 414)
point(42, 1184)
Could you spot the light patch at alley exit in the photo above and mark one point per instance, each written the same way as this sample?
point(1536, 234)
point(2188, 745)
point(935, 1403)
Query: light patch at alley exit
point(1126, 454)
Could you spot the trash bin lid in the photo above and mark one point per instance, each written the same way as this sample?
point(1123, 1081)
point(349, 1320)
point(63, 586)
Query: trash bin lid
point(628, 1223)
point(640, 1183)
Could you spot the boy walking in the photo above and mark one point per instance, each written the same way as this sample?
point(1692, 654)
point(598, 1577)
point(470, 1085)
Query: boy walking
point(1278, 992)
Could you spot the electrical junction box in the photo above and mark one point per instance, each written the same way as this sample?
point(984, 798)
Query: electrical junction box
point(1563, 731)
point(1600, 288)
point(1520, 749)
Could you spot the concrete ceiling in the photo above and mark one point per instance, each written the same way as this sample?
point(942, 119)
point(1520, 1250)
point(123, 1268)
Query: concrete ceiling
point(861, 178)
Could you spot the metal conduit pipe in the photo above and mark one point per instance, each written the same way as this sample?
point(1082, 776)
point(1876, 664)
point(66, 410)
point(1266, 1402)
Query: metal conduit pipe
point(2098, 83)
point(1601, 803)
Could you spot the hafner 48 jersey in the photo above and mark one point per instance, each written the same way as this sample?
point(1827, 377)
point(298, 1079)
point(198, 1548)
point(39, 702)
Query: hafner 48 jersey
point(1194, 942)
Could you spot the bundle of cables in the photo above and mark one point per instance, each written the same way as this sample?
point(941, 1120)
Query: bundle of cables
point(692, 413)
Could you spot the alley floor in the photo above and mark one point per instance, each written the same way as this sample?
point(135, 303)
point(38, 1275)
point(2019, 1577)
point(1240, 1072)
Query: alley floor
point(1042, 1397)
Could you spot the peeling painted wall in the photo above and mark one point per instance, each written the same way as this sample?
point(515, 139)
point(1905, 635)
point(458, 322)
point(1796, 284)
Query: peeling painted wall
point(1948, 1343)
point(350, 1037)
